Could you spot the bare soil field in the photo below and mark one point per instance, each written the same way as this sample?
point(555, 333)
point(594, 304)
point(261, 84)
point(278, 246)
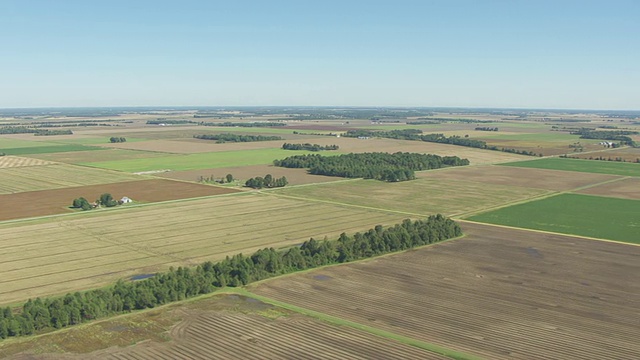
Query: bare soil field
point(93, 248)
point(422, 197)
point(625, 189)
point(57, 201)
point(56, 176)
point(221, 327)
point(18, 161)
point(554, 180)
point(242, 173)
point(498, 293)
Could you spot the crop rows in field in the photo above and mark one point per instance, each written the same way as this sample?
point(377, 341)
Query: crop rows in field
point(499, 293)
point(580, 165)
point(32, 178)
point(17, 161)
point(62, 255)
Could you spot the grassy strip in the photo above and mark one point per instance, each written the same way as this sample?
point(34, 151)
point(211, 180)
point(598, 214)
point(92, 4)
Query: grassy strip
point(372, 330)
point(49, 149)
point(581, 165)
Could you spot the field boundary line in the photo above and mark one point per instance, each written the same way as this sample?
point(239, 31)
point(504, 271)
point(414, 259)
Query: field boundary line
point(366, 328)
point(589, 238)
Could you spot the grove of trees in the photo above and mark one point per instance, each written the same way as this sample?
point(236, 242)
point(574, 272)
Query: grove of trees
point(380, 166)
point(309, 147)
point(222, 138)
point(268, 181)
point(115, 139)
point(182, 283)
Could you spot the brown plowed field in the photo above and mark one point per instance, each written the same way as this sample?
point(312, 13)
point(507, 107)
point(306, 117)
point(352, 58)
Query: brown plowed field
point(626, 189)
point(498, 293)
point(242, 173)
point(233, 328)
point(57, 201)
point(555, 180)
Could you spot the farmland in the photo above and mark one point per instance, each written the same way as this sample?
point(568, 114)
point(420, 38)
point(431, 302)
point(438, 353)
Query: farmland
point(589, 166)
point(497, 294)
point(55, 176)
point(17, 161)
point(57, 201)
point(593, 216)
point(93, 248)
point(242, 328)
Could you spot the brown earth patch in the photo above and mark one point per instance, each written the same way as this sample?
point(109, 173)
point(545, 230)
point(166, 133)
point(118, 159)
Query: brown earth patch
point(498, 293)
point(627, 154)
point(624, 189)
point(242, 173)
point(555, 180)
point(57, 201)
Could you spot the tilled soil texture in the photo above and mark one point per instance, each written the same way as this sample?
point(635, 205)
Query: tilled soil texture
point(58, 201)
point(499, 293)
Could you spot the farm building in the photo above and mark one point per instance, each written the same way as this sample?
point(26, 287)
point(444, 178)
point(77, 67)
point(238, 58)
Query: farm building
point(125, 200)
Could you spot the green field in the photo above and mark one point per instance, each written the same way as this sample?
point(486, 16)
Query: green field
point(585, 215)
point(94, 140)
point(6, 143)
point(199, 161)
point(590, 166)
point(48, 149)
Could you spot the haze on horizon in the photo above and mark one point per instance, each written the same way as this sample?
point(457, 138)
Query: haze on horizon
point(516, 54)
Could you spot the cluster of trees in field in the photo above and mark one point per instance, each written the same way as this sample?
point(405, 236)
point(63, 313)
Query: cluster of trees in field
point(115, 139)
point(268, 181)
point(45, 132)
point(31, 130)
point(309, 147)
point(212, 179)
point(105, 199)
point(486, 128)
point(295, 132)
point(243, 124)
point(227, 137)
point(182, 283)
point(380, 166)
point(612, 135)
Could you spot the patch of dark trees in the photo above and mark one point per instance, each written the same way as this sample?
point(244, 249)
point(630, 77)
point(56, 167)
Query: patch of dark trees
point(169, 122)
point(486, 128)
point(295, 132)
point(611, 135)
point(182, 283)
point(44, 132)
point(31, 130)
point(223, 138)
point(380, 166)
point(268, 181)
point(417, 135)
point(309, 147)
point(105, 199)
point(243, 124)
point(115, 139)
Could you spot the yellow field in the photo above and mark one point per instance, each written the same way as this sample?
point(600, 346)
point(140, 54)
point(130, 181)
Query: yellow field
point(18, 161)
point(55, 176)
point(87, 250)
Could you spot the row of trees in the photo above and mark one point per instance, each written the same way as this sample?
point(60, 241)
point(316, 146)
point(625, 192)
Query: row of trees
point(46, 132)
point(612, 135)
point(268, 181)
point(115, 139)
point(486, 128)
point(182, 283)
point(227, 137)
point(243, 124)
point(380, 166)
point(309, 147)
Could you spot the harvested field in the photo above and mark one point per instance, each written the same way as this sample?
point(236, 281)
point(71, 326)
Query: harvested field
point(555, 180)
point(588, 166)
point(424, 196)
point(17, 161)
point(93, 248)
point(626, 154)
point(625, 189)
point(56, 176)
point(584, 215)
point(242, 173)
point(57, 201)
point(498, 293)
point(222, 327)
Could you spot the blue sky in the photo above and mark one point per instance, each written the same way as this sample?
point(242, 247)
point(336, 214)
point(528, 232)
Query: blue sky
point(520, 54)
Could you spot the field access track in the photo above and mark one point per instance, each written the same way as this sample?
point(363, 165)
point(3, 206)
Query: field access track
point(58, 255)
point(498, 293)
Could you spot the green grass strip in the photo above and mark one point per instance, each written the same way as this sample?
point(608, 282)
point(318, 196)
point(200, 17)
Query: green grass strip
point(372, 330)
point(580, 165)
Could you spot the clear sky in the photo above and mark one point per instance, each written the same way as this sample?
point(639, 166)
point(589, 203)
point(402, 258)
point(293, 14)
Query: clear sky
point(471, 53)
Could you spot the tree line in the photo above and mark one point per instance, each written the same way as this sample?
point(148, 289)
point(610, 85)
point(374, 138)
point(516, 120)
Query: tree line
point(227, 137)
point(378, 165)
point(30, 130)
point(243, 124)
point(309, 147)
point(238, 270)
point(612, 135)
point(268, 181)
point(486, 128)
